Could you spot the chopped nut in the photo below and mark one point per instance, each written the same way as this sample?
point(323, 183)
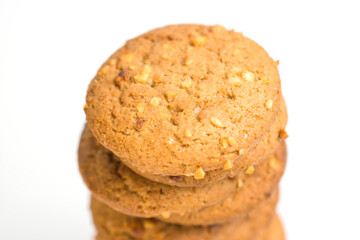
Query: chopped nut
point(242, 151)
point(265, 80)
point(121, 76)
point(234, 80)
point(283, 134)
point(104, 70)
point(276, 63)
point(139, 124)
point(235, 70)
point(199, 173)
point(112, 62)
point(155, 101)
point(188, 61)
point(144, 75)
point(170, 94)
point(197, 109)
point(188, 133)
point(232, 141)
point(228, 165)
point(274, 163)
point(269, 103)
point(127, 57)
point(224, 143)
point(140, 107)
point(148, 224)
point(152, 141)
point(187, 83)
point(198, 41)
point(250, 170)
point(165, 56)
point(248, 76)
point(240, 183)
point(216, 122)
point(165, 214)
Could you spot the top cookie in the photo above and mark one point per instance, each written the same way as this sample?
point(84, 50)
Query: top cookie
point(184, 99)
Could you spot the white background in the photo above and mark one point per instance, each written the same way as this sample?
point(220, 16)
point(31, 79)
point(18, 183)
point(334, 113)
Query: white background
point(49, 51)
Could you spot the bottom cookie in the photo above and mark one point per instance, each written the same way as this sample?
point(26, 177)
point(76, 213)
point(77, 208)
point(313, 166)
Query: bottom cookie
point(112, 225)
point(274, 231)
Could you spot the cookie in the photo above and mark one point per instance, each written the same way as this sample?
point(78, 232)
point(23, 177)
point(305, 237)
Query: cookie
point(253, 189)
point(119, 187)
point(112, 225)
point(167, 100)
point(261, 151)
point(274, 231)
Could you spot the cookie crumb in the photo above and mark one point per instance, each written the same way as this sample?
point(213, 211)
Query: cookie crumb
point(144, 75)
point(283, 134)
point(188, 133)
point(276, 63)
point(198, 41)
point(250, 170)
point(232, 141)
point(269, 103)
point(248, 76)
point(140, 107)
point(155, 101)
point(86, 106)
point(165, 214)
point(228, 165)
point(240, 183)
point(216, 122)
point(199, 173)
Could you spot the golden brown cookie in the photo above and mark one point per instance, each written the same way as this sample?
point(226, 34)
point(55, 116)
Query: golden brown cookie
point(112, 225)
point(252, 191)
point(113, 183)
point(274, 231)
point(165, 102)
point(261, 151)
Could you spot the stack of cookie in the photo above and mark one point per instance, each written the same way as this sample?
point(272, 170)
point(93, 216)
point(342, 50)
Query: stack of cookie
point(184, 138)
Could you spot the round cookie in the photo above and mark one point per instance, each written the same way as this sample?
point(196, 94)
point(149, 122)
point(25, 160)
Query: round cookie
point(165, 102)
point(119, 187)
point(261, 151)
point(112, 225)
point(254, 189)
